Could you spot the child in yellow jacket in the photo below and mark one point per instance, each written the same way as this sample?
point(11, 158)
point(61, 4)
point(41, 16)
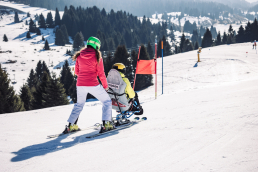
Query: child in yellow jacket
point(131, 95)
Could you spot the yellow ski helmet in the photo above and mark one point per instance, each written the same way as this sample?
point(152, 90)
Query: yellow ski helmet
point(120, 67)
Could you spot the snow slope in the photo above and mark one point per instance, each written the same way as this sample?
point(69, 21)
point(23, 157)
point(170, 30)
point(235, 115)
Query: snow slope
point(31, 10)
point(206, 120)
point(27, 52)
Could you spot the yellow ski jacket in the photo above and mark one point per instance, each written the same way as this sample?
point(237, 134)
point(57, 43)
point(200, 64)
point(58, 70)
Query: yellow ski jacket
point(128, 89)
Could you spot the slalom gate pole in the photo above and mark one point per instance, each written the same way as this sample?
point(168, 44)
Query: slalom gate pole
point(156, 69)
point(162, 63)
point(136, 67)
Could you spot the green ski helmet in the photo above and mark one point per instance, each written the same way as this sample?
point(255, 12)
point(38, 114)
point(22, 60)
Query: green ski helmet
point(94, 42)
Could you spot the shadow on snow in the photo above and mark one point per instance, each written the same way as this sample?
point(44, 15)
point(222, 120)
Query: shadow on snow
point(56, 144)
point(196, 64)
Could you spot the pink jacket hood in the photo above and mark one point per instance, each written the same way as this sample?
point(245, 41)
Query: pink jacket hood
point(87, 69)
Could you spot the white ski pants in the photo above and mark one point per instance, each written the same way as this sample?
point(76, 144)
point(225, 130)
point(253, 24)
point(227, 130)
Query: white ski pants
point(97, 91)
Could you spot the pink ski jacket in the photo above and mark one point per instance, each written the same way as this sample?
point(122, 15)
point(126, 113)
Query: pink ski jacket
point(87, 69)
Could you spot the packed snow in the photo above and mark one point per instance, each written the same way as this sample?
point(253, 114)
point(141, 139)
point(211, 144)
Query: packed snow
point(206, 119)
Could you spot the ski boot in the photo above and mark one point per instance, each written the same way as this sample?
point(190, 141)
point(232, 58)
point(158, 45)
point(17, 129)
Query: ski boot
point(107, 125)
point(72, 128)
point(140, 111)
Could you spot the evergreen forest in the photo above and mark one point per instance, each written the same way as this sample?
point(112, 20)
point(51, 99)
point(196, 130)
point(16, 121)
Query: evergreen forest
point(141, 8)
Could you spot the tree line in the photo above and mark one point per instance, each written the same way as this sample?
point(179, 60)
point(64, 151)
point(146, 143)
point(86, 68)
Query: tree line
point(249, 33)
point(44, 89)
point(141, 8)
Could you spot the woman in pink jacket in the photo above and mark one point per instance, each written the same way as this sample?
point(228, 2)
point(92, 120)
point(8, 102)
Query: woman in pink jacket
point(89, 65)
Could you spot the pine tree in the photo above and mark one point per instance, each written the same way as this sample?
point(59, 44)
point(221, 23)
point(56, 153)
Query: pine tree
point(5, 39)
point(166, 47)
point(225, 38)
point(39, 100)
point(241, 34)
point(38, 71)
point(122, 42)
point(78, 41)
point(73, 91)
point(159, 50)
point(230, 39)
point(9, 101)
point(116, 39)
point(65, 34)
point(38, 31)
point(143, 81)
point(46, 47)
point(196, 45)
point(150, 51)
point(32, 79)
point(42, 21)
point(59, 40)
point(105, 46)
point(230, 30)
point(195, 36)
point(248, 34)
point(177, 49)
point(254, 30)
point(108, 63)
point(121, 55)
point(16, 18)
point(213, 32)
point(66, 77)
point(188, 46)
point(28, 14)
point(128, 38)
point(28, 35)
point(134, 57)
point(55, 94)
point(26, 97)
point(218, 42)
point(57, 18)
point(172, 35)
point(207, 39)
point(111, 43)
point(43, 39)
point(45, 68)
point(32, 27)
point(182, 42)
point(75, 29)
point(49, 20)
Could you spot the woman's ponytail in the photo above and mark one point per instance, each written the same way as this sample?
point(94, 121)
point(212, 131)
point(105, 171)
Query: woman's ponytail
point(76, 55)
point(98, 55)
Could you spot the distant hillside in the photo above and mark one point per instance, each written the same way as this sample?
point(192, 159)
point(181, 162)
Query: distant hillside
point(139, 8)
point(255, 9)
point(242, 4)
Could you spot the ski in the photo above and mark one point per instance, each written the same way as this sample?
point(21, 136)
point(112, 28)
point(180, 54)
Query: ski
point(96, 126)
point(136, 120)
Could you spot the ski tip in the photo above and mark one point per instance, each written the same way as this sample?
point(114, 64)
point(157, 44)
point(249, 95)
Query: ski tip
point(144, 118)
point(136, 118)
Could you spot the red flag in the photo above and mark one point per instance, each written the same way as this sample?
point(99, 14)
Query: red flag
point(145, 67)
